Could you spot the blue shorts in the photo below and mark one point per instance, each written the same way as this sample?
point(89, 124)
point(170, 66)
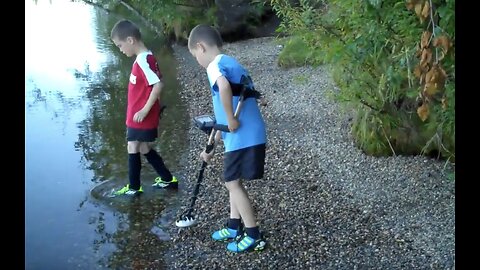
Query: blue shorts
point(141, 135)
point(247, 163)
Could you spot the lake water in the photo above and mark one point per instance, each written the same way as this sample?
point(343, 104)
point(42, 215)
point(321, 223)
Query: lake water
point(75, 101)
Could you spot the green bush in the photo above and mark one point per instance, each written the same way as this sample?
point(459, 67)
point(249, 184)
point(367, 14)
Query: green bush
point(383, 62)
point(175, 17)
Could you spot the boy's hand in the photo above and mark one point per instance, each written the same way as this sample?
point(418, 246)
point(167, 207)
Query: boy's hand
point(140, 115)
point(233, 124)
point(206, 157)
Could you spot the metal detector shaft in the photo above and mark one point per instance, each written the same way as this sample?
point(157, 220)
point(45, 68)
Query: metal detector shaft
point(208, 149)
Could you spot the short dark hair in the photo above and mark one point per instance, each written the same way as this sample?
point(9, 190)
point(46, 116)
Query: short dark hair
point(125, 28)
point(206, 34)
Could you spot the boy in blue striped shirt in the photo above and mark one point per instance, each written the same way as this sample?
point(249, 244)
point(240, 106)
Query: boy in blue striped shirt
point(244, 157)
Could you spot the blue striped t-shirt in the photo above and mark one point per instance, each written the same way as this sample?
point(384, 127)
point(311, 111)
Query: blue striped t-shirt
point(251, 131)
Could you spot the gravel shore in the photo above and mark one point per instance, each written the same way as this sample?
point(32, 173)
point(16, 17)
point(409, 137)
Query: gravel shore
point(323, 204)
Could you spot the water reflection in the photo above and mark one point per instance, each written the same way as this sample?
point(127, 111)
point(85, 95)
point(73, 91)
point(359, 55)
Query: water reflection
point(137, 246)
point(101, 137)
point(138, 241)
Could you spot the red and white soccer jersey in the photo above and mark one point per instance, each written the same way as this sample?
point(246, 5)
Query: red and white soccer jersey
point(145, 73)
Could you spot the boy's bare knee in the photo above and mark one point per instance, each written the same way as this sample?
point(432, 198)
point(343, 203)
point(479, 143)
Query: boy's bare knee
point(145, 147)
point(132, 147)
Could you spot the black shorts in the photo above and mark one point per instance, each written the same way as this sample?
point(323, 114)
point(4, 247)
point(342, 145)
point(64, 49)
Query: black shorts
point(141, 135)
point(247, 163)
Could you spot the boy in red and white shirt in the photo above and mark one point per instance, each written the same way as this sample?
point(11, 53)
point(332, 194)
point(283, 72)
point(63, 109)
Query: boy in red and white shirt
point(143, 109)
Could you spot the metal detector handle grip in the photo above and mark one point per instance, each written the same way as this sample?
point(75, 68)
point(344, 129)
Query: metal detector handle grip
point(223, 128)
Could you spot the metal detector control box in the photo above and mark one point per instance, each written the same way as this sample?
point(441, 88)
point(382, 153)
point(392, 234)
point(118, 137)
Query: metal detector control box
point(204, 122)
point(207, 122)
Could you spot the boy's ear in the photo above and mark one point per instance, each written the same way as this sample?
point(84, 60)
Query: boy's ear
point(201, 46)
point(130, 40)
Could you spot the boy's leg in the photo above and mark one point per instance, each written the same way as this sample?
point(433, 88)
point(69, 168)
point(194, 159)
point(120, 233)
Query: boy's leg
point(241, 204)
point(134, 164)
point(247, 163)
point(157, 162)
point(233, 227)
point(234, 221)
point(252, 239)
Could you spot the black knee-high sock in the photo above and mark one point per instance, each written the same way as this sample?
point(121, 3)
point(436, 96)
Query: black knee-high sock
point(154, 158)
point(134, 167)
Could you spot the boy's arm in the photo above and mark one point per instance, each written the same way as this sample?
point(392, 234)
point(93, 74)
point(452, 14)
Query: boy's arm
point(206, 157)
point(154, 96)
point(226, 98)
